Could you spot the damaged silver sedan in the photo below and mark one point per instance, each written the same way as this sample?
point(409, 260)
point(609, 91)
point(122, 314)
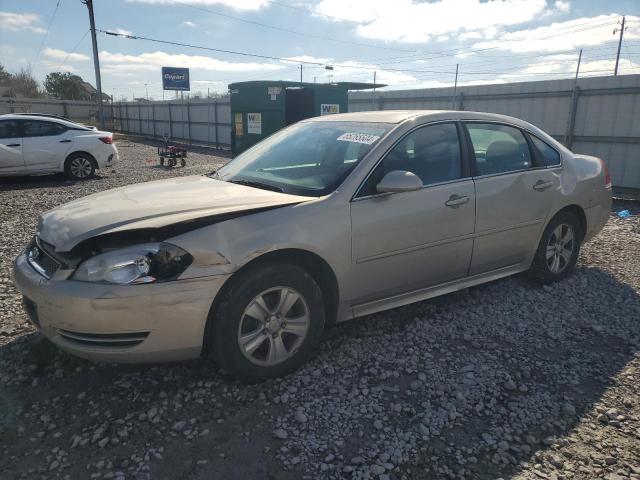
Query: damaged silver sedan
point(329, 219)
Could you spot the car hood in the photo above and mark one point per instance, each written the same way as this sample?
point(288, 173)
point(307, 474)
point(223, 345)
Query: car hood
point(152, 205)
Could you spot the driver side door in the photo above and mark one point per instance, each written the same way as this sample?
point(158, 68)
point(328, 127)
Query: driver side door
point(411, 240)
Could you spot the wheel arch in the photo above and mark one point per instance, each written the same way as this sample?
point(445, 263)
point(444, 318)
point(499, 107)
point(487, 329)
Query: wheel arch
point(578, 212)
point(310, 262)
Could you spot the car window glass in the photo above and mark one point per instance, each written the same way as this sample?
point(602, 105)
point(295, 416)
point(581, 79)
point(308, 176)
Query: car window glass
point(35, 128)
point(307, 158)
point(548, 154)
point(432, 153)
point(498, 148)
point(9, 129)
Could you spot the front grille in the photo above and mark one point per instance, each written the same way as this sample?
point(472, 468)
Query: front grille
point(41, 261)
point(129, 339)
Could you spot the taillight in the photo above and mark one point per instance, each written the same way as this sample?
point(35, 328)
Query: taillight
point(107, 140)
point(607, 175)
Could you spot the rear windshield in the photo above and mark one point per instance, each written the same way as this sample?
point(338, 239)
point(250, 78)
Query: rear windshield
point(308, 158)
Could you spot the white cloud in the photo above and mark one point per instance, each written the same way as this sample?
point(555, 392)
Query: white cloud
point(127, 65)
point(236, 4)
point(61, 55)
point(562, 6)
point(187, 23)
point(121, 31)
point(55, 66)
point(20, 21)
point(416, 22)
point(572, 34)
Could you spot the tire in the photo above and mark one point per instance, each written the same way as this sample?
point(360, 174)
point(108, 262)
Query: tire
point(265, 337)
point(183, 162)
point(79, 166)
point(172, 162)
point(544, 268)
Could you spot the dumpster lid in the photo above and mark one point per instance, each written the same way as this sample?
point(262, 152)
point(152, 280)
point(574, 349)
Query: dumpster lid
point(288, 83)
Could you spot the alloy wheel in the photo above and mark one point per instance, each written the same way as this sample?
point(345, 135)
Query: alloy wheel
point(273, 326)
point(560, 248)
point(81, 167)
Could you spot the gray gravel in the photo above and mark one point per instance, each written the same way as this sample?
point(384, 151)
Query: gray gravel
point(506, 380)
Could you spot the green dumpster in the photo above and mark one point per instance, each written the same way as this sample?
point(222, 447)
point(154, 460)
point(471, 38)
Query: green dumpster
point(261, 108)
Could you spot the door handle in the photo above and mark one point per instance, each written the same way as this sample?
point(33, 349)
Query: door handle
point(13, 145)
point(65, 141)
point(541, 185)
point(456, 201)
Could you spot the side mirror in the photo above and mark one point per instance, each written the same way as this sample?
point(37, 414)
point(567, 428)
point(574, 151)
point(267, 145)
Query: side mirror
point(399, 181)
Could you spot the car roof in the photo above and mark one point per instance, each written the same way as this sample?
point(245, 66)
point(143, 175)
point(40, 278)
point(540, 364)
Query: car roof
point(45, 118)
point(398, 116)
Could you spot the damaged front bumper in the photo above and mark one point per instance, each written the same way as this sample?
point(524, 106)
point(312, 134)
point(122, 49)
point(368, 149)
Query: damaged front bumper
point(120, 323)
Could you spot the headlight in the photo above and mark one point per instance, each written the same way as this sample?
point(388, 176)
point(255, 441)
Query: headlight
point(144, 263)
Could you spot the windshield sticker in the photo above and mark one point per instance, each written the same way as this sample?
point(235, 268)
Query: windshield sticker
point(365, 138)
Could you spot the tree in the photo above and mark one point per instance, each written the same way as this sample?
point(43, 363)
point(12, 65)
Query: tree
point(24, 83)
point(5, 77)
point(65, 86)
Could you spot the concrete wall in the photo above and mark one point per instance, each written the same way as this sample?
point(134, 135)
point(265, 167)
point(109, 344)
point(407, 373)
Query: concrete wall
point(80, 111)
point(605, 113)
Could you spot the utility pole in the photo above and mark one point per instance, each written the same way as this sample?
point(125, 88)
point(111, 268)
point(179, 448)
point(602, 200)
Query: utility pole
point(573, 106)
point(96, 60)
point(615, 71)
point(300, 73)
point(578, 68)
point(455, 88)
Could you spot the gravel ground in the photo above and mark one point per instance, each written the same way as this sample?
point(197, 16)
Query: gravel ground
point(505, 380)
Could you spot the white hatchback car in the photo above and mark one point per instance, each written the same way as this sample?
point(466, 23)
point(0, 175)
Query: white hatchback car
point(36, 144)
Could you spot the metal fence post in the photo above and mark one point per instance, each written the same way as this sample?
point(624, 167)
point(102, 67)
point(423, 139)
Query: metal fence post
point(140, 119)
point(189, 120)
point(153, 118)
point(215, 121)
point(170, 121)
point(128, 117)
point(65, 113)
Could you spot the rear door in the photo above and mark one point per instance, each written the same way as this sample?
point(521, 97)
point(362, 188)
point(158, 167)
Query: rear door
point(45, 145)
point(407, 241)
point(11, 160)
point(514, 193)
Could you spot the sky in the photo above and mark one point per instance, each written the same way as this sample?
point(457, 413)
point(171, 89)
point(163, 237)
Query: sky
point(405, 43)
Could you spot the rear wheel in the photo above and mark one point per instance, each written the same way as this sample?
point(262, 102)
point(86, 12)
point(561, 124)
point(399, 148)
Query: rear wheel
point(269, 323)
point(558, 250)
point(79, 166)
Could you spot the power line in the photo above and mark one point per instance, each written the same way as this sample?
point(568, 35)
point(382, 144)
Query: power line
point(46, 34)
point(464, 50)
point(73, 49)
point(313, 12)
point(256, 55)
point(295, 32)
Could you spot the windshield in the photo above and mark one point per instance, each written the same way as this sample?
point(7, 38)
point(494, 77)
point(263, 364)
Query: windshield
point(308, 158)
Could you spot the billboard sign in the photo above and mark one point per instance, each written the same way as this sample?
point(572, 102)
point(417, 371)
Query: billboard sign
point(174, 78)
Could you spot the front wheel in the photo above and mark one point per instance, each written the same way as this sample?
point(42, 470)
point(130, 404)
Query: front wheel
point(558, 250)
point(269, 323)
